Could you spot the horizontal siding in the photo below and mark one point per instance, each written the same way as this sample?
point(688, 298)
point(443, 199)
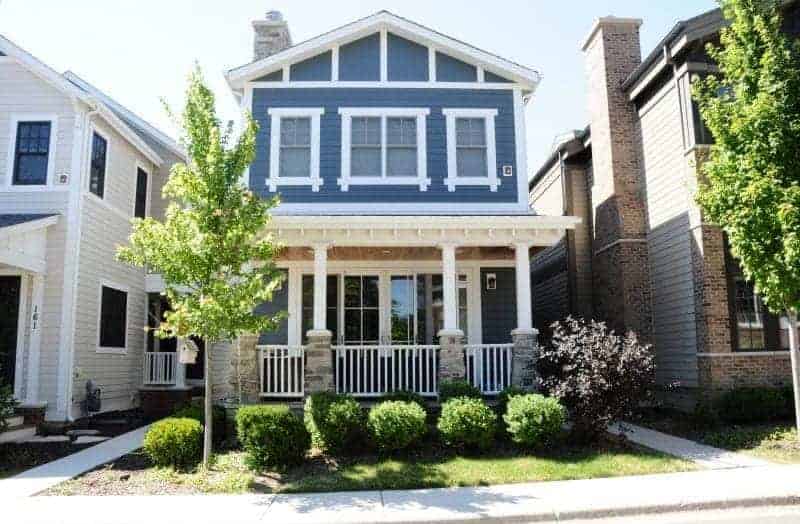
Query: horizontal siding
point(361, 60)
point(406, 60)
point(498, 306)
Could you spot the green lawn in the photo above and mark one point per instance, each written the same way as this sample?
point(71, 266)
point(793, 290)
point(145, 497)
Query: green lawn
point(426, 468)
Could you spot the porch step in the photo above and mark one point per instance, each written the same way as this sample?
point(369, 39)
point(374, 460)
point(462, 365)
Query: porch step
point(17, 434)
point(15, 421)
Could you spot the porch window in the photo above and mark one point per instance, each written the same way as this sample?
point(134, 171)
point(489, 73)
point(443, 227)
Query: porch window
point(307, 302)
point(294, 147)
point(113, 319)
point(97, 168)
point(471, 148)
point(32, 154)
point(361, 310)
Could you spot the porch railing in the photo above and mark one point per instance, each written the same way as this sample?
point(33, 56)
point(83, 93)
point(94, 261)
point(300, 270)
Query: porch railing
point(373, 371)
point(282, 371)
point(159, 368)
point(489, 366)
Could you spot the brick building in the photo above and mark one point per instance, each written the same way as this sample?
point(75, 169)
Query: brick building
point(643, 257)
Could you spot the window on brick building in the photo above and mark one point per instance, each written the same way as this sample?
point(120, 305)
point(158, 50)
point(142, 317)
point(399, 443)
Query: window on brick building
point(749, 317)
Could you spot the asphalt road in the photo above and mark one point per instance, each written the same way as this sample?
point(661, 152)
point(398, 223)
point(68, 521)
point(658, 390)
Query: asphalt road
point(767, 515)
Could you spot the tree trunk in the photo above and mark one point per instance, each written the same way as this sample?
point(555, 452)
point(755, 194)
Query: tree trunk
point(209, 406)
point(794, 350)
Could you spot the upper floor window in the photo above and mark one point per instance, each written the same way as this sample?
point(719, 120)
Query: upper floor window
point(97, 168)
point(384, 146)
point(32, 153)
point(294, 147)
point(471, 148)
point(140, 205)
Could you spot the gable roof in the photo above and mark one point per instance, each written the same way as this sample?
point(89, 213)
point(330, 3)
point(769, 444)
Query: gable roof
point(61, 83)
point(402, 27)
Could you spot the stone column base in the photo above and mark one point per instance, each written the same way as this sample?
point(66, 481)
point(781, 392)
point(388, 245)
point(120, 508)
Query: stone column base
point(319, 362)
point(451, 356)
point(244, 379)
point(523, 359)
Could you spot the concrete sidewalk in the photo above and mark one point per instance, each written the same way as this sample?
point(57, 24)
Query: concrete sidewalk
point(537, 502)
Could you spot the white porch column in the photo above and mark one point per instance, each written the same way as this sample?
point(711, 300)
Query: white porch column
point(449, 286)
point(320, 286)
point(35, 340)
point(523, 275)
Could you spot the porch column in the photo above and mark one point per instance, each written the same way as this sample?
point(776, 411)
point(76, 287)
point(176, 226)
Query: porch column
point(524, 337)
point(451, 339)
point(35, 341)
point(318, 374)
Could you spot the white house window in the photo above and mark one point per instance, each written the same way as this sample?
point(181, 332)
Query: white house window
point(97, 165)
point(113, 319)
point(384, 146)
point(31, 149)
point(471, 148)
point(294, 147)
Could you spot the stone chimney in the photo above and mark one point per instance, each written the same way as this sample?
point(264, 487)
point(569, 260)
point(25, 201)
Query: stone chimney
point(270, 35)
point(620, 261)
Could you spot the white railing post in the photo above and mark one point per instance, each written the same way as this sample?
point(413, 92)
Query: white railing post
point(282, 369)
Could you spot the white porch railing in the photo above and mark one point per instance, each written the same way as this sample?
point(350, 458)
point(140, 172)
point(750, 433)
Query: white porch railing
point(489, 366)
point(159, 368)
point(282, 371)
point(372, 371)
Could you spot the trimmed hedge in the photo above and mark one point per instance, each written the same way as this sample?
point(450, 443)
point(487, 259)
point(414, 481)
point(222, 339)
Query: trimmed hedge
point(467, 423)
point(505, 396)
point(335, 422)
point(272, 436)
point(449, 389)
point(395, 425)
point(533, 420)
point(747, 405)
point(197, 412)
point(407, 396)
point(176, 442)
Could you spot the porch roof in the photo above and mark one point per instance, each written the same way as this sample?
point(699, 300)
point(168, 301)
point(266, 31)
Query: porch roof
point(23, 240)
point(420, 230)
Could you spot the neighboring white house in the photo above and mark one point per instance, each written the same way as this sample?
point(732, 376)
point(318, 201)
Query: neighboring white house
point(75, 167)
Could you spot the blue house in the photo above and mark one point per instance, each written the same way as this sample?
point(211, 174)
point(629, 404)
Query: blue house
point(398, 154)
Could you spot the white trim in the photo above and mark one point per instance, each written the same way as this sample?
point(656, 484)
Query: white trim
point(107, 137)
point(521, 139)
point(431, 64)
point(35, 338)
point(421, 113)
point(384, 54)
point(117, 287)
point(334, 64)
point(433, 208)
point(276, 114)
point(453, 180)
point(480, 72)
point(353, 84)
point(14, 120)
point(22, 316)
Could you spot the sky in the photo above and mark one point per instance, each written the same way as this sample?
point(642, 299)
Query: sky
point(140, 51)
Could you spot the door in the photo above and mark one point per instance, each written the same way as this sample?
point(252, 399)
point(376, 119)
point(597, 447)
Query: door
point(361, 310)
point(9, 324)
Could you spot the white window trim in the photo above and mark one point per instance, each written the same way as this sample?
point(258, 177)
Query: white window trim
point(277, 113)
point(88, 184)
point(14, 121)
point(420, 113)
point(118, 287)
point(147, 172)
point(453, 180)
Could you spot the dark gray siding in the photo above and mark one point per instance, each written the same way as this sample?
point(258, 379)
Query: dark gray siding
point(361, 59)
point(407, 60)
point(498, 306)
point(330, 154)
point(316, 68)
point(275, 76)
point(449, 69)
point(488, 76)
point(280, 302)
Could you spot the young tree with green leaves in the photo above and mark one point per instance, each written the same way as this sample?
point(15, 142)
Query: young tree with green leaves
point(211, 249)
point(750, 184)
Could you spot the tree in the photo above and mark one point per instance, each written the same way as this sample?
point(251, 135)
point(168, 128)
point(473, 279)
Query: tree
point(749, 184)
point(211, 249)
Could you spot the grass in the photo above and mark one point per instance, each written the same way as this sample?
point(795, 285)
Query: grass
point(775, 441)
point(428, 467)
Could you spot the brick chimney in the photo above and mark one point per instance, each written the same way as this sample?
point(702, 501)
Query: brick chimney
point(270, 35)
point(620, 253)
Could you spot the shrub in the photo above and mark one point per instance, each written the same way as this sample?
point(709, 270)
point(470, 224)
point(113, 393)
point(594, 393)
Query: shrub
point(505, 396)
point(533, 420)
point(457, 388)
point(395, 425)
point(467, 423)
point(176, 442)
point(7, 405)
point(197, 412)
point(272, 436)
point(407, 396)
point(334, 421)
point(748, 405)
point(597, 375)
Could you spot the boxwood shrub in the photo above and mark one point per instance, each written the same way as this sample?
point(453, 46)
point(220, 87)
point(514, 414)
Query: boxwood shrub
point(176, 442)
point(533, 420)
point(457, 388)
point(467, 423)
point(335, 422)
point(748, 405)
point(197, 412)
point(395, 425)
point(272, 436)
point(407, 396)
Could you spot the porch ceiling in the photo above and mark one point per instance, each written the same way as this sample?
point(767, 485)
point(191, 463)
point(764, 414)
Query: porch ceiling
point(293, 231)
point(23, 241)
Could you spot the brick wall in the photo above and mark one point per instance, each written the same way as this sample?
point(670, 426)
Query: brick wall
point(720, 372)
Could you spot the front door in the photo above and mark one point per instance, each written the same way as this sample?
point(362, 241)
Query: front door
point(9, 323)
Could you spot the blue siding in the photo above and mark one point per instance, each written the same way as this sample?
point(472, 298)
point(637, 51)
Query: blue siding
point(449, 69)
point(361, 60)
point(498, 306)
point(315, 68)
point(275, 76)
point(280, 302)
point(488, 76)
point(330, 150)
point(407, 60)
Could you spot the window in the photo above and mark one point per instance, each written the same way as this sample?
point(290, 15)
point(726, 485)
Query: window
point(113, 318)
point(361, 305)
point(97, 168)
point(384, 146)
point(749, 317)
point(471, 148)
point(32, 153)
point(294, 147)
point(140, 206)
point(331, 301)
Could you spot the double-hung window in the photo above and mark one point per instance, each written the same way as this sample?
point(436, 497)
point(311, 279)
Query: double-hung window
point(294, 147)
point(32, 153)
point(471, 148)
point(384, 146)
point(97, 167)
